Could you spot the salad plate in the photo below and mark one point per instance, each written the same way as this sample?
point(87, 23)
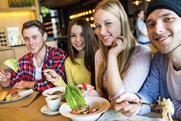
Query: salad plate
point(99, 103)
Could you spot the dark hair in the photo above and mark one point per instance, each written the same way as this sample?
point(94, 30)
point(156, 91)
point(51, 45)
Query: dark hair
point(138, 11)
point(91, 46)
point(33, 23)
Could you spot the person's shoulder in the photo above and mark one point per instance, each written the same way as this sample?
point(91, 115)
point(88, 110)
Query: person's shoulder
point(142, 49)
point(67, 60)
point(98, 53)
point(56, 51)
point(98, 57)
point(26, 57)
point(69, 64)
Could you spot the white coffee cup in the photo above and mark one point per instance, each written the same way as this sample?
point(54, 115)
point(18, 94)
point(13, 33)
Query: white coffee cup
point(53, 102)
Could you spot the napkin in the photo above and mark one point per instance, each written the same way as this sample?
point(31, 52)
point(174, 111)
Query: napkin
point(24, 93)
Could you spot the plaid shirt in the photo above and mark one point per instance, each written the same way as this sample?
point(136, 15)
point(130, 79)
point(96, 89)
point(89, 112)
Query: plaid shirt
point(54, 59)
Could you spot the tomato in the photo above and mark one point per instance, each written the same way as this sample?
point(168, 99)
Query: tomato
point(12, 91)
point(74, 112)
point(84, 86)
point(93, 110)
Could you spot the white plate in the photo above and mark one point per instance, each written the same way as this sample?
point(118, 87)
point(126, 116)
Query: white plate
point(22, 94)
point(102, 103)
point(47, 111)
point(112, 115)
point(50, 91)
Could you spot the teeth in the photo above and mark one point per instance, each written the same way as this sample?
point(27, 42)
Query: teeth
point(161, 38)
point(78, 44)
point(105, 38)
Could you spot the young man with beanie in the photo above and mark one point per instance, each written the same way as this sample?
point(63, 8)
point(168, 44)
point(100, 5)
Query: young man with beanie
point(163, 20)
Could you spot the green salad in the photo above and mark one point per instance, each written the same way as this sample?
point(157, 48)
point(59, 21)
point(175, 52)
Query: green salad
point(74, 97)
point(12, 64)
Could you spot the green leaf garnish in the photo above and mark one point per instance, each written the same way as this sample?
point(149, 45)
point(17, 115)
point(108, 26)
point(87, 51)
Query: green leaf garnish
point(74, 97)
point(12, 63)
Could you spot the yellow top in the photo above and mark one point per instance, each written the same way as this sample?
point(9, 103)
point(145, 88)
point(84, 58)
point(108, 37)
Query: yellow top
point(76, 73)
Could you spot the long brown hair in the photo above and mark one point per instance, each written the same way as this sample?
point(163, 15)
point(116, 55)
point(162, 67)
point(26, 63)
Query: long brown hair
point(91, 46)
point(114, 7)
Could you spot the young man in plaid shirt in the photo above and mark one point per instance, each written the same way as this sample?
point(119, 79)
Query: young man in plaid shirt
point(40, 57)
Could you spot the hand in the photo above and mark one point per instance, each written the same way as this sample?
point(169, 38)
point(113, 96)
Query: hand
point(128, 104)
point(24, 84)
point(4, 75)
point(51, 75)
point(118, 45)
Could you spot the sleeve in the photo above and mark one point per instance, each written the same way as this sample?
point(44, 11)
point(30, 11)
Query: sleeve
point(137, 69)
point(56, 63)
point(15, 76)
point(177, 107)
point(68, 72)
point(59, 82)
point(150, 90)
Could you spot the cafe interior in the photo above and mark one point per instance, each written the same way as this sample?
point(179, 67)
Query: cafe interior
point(55, 15)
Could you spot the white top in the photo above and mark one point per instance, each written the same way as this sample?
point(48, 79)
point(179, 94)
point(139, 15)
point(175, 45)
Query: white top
point(141, 27)
point(38, 70)
point(173, 82)
point(137, 70)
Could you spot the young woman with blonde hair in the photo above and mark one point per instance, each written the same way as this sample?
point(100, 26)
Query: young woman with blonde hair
point(120, 64)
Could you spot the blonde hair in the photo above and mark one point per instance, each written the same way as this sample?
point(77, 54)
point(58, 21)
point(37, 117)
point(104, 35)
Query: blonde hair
point(114, 7)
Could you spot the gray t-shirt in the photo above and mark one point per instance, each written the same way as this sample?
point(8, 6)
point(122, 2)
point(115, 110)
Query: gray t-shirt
point(173, 82)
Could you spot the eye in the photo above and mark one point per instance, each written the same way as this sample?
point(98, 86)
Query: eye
point(107, 24)
point(97, 26)
point(34, 37)
point(168, 19)
point(26, 39)
point(72, 35)
point(82, 34)
point(150, 24)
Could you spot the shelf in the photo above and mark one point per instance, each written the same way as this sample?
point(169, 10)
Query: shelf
point(17, 9)
point(15, 17)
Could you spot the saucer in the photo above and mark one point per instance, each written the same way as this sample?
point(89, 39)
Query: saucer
point(47, 111)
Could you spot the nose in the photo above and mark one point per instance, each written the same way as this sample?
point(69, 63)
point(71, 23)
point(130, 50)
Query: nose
point(31, 41)
point(159, 27)
point(78, 38)
point(103, 30)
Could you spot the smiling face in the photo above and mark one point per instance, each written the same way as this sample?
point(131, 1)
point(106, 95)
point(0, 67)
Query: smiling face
point(77, 38)
point(108, 26)
point(164, 30)
point(34, 39)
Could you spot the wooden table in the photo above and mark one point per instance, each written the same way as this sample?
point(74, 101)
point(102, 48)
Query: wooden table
point(30, 113)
